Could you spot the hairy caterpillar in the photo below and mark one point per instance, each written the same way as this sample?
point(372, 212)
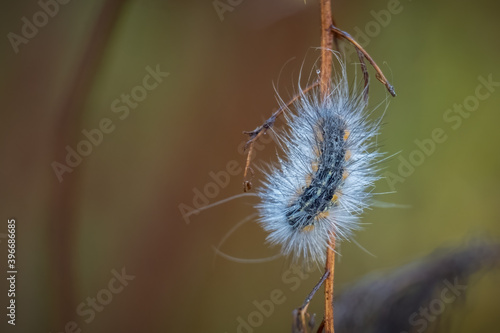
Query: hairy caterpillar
point(324, 180)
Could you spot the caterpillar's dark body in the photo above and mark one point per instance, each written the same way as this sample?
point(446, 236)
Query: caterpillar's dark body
point(317, 197)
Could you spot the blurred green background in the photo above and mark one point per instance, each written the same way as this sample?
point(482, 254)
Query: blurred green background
point(119, 208)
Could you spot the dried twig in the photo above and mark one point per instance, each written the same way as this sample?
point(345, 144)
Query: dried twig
point(302, 320)
point(329, 268)
point(256, 133)
point(325, 77)
point(366, 77)
point(326, 47)
point(379, 75)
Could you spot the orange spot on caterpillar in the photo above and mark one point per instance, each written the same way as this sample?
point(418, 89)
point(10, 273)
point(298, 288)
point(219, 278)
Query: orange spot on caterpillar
point(347, 155)
point(322, 215)
point(335, 197)
point(317, 151)
point(308, 180)
point(308, 228)
point(319, 133)
point(344, 175)
point(346, 134)
point(296, 195)
point(315, 166)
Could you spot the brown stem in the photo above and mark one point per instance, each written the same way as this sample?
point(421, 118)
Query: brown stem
point(325, 79)
point(321, 327)
point(379, 75)
point(329, 267)
point(256, 133)
point(301, 315)
point(366, 77)
point(326, 47)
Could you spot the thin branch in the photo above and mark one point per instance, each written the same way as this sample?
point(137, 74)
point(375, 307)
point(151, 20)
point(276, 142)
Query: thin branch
point(321, 326)
point(300, 315)
point(326, 72)
point(326, 47)
point(329, 268)
point(379, 75)
point(366, 77)
point(256, 133)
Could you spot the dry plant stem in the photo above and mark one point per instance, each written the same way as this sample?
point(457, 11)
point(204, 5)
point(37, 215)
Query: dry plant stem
point(379, 75)
point(302, 311)
point(256, 133)
point(326, 47)
point(321, 326)
point(366, 77)
point(330, 268)
point(325, 78)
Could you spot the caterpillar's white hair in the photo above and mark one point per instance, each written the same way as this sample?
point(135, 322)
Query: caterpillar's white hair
point(324, 179)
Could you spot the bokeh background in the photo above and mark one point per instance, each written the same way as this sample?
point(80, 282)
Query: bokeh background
point(120, 207)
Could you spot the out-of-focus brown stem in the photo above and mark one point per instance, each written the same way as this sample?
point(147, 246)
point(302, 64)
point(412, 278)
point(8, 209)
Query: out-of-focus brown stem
point(65, 194)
